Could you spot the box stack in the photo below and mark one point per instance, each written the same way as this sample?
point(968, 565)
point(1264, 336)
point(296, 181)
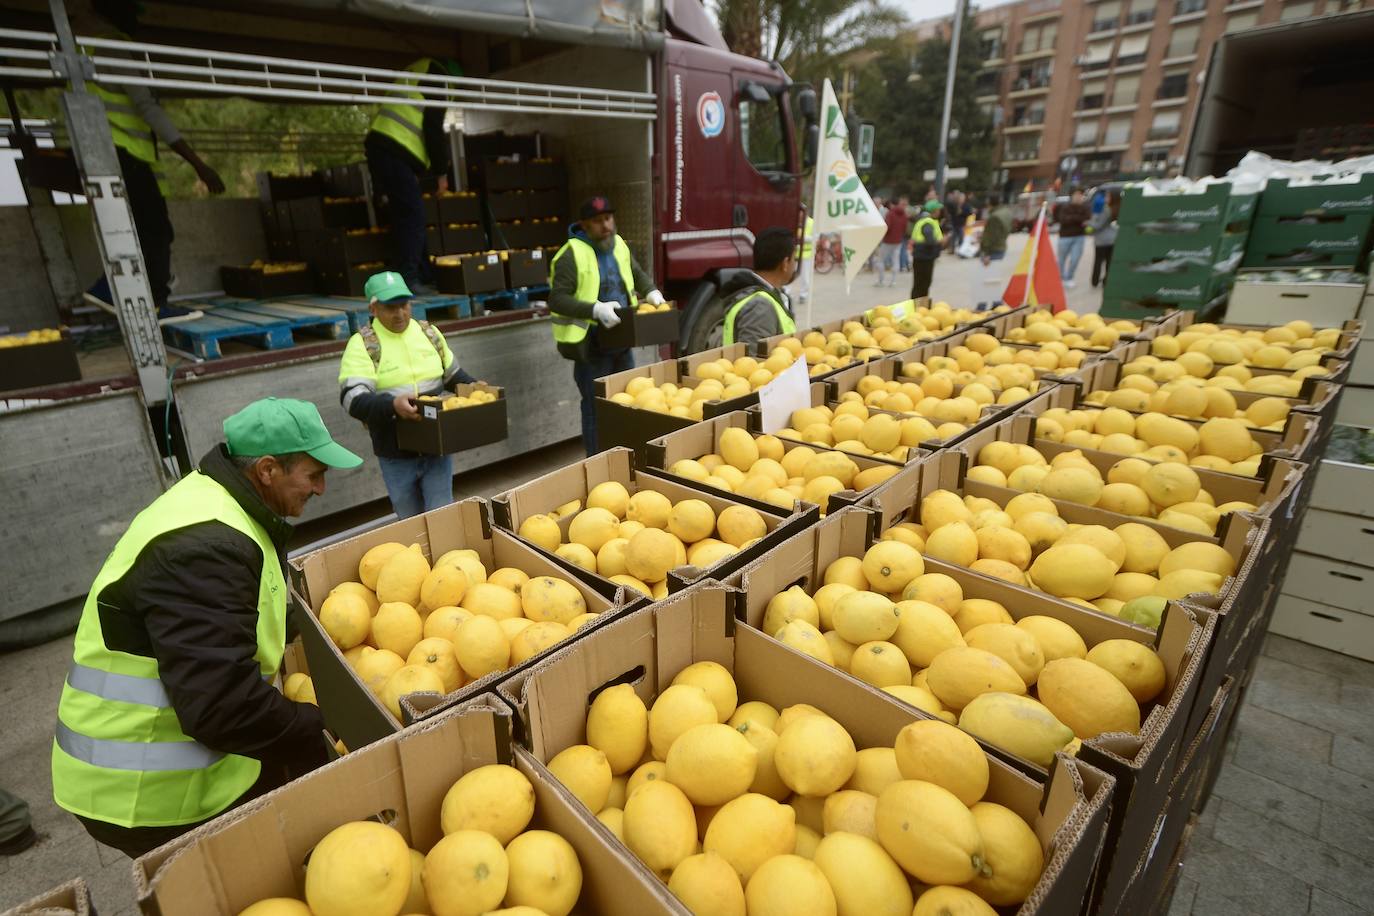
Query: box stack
point(1322, 224)
point(326, 221)
point(526, 202)
point(1176, 251)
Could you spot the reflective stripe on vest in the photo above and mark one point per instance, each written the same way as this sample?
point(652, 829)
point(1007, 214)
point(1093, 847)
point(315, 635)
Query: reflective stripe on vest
point(917, 236)
point(570, 330)
point(785, 323)
point(405, 123)
point(119, 754)
point(131, 133)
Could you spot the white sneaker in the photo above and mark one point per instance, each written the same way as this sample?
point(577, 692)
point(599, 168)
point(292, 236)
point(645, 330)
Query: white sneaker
point(1069, 284)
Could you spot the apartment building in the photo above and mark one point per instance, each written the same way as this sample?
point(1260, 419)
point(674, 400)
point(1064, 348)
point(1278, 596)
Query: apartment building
point(1089, 90)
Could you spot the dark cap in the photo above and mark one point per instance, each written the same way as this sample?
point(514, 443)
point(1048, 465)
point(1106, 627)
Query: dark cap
point(594, 207)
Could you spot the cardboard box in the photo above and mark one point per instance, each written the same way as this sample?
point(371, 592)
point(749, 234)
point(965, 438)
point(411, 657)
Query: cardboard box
point(74, 898)
point(1323, 578)
point(1338, 629)
point(1142, 764)
point(543, 494)
point(351, 710)
point(1356, 407)
point(704, 438)
point(636, 329)
point(474, 273)
point(253, 283)
point(648, 648)
point(633, 427)
point(259, 850)
point(526, 267)
point(1274, 490)
point(1277, 303)
point(34, 365)
point(1351, 332)
point(442, 432)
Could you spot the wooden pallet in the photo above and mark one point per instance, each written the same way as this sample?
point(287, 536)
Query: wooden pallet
point(507, 300)
point(204, 335)
point(329, 323)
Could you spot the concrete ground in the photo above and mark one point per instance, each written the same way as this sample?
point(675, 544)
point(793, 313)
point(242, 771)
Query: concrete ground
point(1289, 830)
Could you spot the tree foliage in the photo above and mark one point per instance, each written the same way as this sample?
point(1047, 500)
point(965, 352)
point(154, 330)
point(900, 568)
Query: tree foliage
point(902, 91)
point(808, 37)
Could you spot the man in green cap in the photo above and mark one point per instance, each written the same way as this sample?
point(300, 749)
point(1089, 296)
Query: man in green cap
point(168, 716)
point(391, 361)
point(927, 241)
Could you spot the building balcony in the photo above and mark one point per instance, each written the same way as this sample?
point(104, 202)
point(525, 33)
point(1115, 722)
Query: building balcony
point(987, 97)
point(1243, 5)
point(1178, 59)
point(993, 61)
point(1088, 112)
point(1020, 156)
point(1025, 127)
point(1168, 101)
point(1103, 28)
point(1035, 54)
point(1017, 92)
point(1122, 106)
point(1020, 163)
point(1137, 22)
point(1129, 68)
point(1187, 17)
point(1161, 135)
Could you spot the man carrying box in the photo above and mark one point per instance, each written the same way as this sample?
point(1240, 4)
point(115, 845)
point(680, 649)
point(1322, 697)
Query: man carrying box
point(390, 362)
point(585, 288)
point(168, 716)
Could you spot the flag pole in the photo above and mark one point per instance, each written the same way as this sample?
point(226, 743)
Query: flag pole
point(815, 209)
point(1035, 250)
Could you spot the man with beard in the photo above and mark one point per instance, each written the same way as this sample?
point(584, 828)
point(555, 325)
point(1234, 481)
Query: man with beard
point(591, 276)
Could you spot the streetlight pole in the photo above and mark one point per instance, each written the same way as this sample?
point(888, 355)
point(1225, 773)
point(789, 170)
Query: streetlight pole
point(942, 154)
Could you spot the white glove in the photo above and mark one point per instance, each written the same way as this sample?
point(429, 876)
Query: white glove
point(654, 297)
point(604, 312)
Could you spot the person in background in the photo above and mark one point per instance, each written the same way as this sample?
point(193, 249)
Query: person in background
point(168, 716)
point(1073, 230)
point(805, 255)
point(388, 363)
point(16, 827)
point(927, 242)
point(760, 309)
point(904, 252)
point(1104, 228)
point(591, 276)
point(137, 123)
point(893, 240)
point(992, 250)
point(405, 144)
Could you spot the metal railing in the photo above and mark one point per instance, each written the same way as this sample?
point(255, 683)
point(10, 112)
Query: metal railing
point(27, 56)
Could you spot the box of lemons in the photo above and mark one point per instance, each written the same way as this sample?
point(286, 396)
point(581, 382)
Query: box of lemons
point(748, 778)
point(766, 468)
point(449, 818)
point(851, 426)
point(633, 528)
point(966, 648)
point(667, 388)
point(420, 614)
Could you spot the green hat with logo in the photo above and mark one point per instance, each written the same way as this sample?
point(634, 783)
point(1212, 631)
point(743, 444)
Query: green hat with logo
point(931, 206)
point(387, 286)
point(281, 426)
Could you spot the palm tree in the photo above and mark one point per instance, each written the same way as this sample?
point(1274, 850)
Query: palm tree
point(806, 36)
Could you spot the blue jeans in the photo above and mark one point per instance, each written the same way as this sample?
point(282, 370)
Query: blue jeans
point(1070, 250)
point(418, 484)
point(394, 178)
point(586, 374)
point(904, 258)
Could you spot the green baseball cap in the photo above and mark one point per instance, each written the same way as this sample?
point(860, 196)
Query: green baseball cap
point(280, 426)
point(930, 206)
point(386, 286)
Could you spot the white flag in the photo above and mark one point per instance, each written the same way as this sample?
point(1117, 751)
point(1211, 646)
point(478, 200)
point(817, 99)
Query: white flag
point(842, 201)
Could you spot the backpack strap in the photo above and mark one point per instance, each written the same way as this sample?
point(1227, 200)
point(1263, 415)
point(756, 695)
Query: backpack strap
point(436, 339)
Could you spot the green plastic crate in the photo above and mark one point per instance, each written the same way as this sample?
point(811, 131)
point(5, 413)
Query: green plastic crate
point(1330, 241)
point(1283, 199)
point(1210, 243)
point(1214, 206)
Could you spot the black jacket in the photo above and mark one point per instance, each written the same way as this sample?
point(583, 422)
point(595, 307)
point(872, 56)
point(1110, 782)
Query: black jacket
point(190, 600)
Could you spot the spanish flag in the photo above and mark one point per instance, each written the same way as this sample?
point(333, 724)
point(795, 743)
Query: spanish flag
point(1036, 280)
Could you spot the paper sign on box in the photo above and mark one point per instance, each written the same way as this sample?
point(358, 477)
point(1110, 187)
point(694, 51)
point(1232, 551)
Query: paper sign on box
point(786, 394)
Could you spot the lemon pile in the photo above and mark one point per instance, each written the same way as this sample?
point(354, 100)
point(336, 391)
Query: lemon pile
point(1027, 543)
point(1221, 443)
point(635, 540)
point(45, 335)
point(488, 858)
point(718, 380)
point(1071, 329)
point(760, 468)
point(851, 427)
point(883, 619)
point(741, 807)
point(1206, 350)
point(852, 344)
point(454, 402)
point(1167, 490)
point(645, 308)
point(409, 627)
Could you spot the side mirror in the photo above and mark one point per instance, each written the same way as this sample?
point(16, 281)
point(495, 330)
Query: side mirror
point(754, 92)
point(811, 139)
point(807, 104)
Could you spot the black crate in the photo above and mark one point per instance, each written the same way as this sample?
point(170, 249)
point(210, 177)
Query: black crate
point(552, 202)
point(508, 205)
point(518, 234)
point(474, 273)
point(434, 240)
point(462, 207)
point(289, 187)
point(502, 175)
point(465, 238)
point(322, 213)
point(252, 283)
point(348, 281)
point(345, 246)
point(346, 180)
point(32, 365)
point(636, 330)
point(526, 267)
point(545, 173)
point(548, 233)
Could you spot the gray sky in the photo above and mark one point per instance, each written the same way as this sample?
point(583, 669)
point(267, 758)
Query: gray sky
point(916, 10)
